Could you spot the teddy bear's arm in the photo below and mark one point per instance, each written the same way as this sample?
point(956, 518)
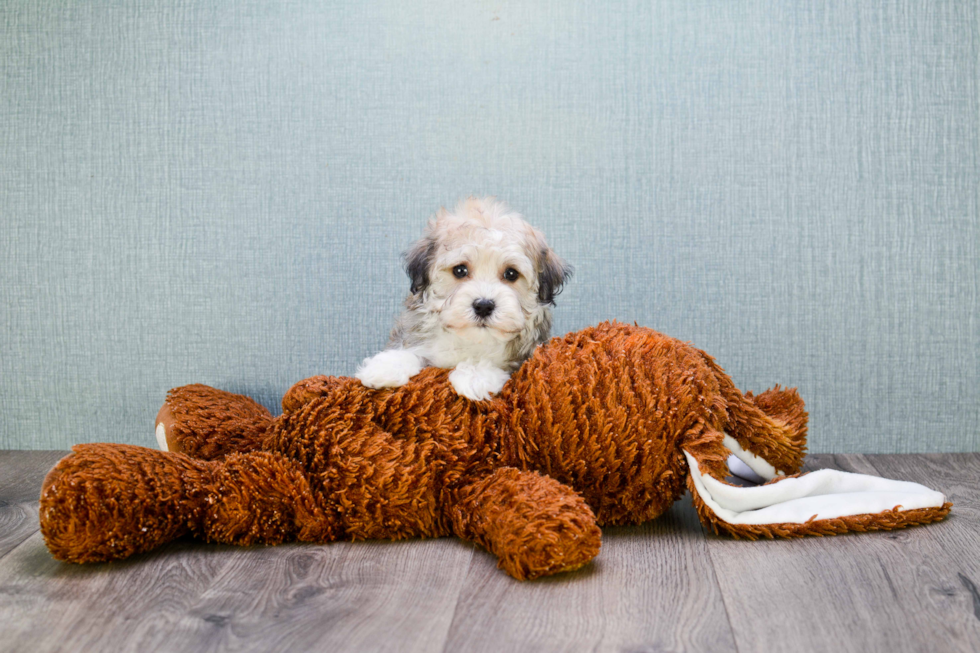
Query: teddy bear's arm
point(535, 525)
point(305, 391)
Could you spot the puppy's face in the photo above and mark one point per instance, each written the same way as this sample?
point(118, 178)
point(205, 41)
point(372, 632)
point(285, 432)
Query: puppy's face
point(485, 272)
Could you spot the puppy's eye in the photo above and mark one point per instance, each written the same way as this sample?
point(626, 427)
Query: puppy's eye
point(510, 274)
point(460, 271)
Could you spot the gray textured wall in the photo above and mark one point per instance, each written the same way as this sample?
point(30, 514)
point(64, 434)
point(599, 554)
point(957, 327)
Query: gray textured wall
point(218, 192)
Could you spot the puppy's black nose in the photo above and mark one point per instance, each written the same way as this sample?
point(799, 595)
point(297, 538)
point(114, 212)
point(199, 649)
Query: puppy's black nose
point(483, 307)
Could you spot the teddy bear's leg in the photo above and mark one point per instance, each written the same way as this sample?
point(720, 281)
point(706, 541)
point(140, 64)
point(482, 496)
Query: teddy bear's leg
point(110, 501)
point(264, 498)
point(206, 423)
point(535, 525)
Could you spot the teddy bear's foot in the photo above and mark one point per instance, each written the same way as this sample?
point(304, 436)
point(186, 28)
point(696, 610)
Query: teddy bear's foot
point(535, 525)
point(109, 501)
point(206, 423)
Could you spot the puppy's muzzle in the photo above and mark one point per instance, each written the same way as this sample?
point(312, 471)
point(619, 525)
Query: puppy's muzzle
point(483, 308)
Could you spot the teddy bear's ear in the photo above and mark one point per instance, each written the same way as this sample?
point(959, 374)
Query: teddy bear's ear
point(824, 502)
point(418, 262)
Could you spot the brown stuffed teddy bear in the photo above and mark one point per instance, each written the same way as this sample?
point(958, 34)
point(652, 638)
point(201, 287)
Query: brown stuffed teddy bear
point(605, 426)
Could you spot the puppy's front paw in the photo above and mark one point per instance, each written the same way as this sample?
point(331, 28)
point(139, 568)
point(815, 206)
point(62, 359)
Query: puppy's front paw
point(388, 369)
point(478, 381)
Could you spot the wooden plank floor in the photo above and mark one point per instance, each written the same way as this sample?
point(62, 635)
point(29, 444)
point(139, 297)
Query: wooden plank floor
point(662, 586)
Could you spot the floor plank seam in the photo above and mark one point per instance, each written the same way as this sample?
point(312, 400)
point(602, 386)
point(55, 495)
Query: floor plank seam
point(972, 589)
point(968, 584)
point(20, 543)
point(721, 592)
point(23, 542)
point(459, 592)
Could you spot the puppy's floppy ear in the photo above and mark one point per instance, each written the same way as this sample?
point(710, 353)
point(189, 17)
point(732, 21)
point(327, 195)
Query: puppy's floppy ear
point(553, 272)
point(418, 260)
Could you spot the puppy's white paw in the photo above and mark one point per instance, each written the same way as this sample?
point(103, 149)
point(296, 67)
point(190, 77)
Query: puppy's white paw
point(389, 369)
point(478, 381)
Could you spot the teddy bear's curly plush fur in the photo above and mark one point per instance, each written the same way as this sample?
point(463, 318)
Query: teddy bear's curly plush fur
point(591, 430)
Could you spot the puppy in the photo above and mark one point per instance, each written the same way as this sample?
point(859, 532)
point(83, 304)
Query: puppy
point(483, 282)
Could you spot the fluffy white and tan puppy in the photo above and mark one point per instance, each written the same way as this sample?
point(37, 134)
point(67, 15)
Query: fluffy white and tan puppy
point(483, 284)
